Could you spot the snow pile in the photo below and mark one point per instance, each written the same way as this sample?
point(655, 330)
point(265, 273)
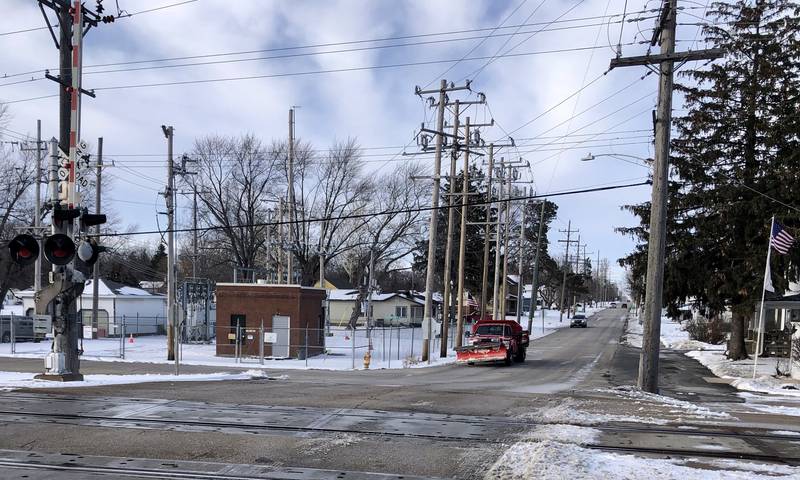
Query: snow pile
point(555, 460)
point(563, 434)
point(672, 336)
point(569, 411)
point(15, 380)
point(682, 406)
point(740, 373)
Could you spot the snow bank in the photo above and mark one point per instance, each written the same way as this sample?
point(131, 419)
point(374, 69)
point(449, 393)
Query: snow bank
point(555, 460)
point(14, 380)
point(634, 393)
point(740, 373)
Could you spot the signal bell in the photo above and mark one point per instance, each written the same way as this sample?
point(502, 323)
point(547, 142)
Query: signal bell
point(59, 249)
point(24, 249)
point(88, 251)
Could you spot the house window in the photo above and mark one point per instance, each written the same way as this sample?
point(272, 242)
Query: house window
point(401, 312)
point(417, 312)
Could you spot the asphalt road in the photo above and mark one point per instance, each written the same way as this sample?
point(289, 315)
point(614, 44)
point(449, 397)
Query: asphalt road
point(449, 421)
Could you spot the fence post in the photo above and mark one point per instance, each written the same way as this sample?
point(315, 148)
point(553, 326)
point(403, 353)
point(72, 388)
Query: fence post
point(261, 344)
point(391, 329)
point(413, 329)
point(353, 343)
point(399, 332)
point(383, 350)
point(137, 321)
point(236, 348)
point(306, 347)
point(13, 336)
point(122, 337)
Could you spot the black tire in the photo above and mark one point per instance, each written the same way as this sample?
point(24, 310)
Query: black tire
point(508, 359)
point(6, 337)
point(520, 356)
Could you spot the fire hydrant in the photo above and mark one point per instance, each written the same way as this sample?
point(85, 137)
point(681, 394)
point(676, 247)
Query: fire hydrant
point(367, 358)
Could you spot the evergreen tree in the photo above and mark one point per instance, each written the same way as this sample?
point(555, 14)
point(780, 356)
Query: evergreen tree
point(735, 157)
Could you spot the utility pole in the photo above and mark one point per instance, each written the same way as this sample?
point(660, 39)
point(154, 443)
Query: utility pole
point(194, 232)
point(597, 278)
point(96, 266)
point(448, 251)
point(37, 221)
point(437, 181)
point(429, 275)
point(520, 288)
point(169, 198)
point(281, 242)
point(462, 243)
point(569, 233)
point(504, 284)
point(497, 259)
point(292, 213)
point(535, 282)
point(488, 233)
point(665, 33)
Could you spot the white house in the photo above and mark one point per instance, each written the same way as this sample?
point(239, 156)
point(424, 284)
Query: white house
point(141, 312)
point(396, 308)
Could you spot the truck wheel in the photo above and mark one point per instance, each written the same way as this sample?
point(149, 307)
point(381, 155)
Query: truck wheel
point(520, 356)
point(508, 358)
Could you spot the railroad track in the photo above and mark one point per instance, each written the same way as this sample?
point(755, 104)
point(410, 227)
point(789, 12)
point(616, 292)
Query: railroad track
point(34, 466)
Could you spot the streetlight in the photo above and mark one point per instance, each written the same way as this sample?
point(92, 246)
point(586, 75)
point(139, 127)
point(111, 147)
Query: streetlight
point(649, 161)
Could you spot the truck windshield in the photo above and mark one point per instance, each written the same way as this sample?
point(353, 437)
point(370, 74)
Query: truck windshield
point(492, 330)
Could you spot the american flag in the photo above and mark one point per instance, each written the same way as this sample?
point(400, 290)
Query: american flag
point(781, 240)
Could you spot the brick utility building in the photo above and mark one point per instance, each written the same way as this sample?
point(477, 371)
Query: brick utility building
point(290, 315)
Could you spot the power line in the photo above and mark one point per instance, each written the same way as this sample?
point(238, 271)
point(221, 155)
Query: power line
point(386, 212)
point(294, 74)
point(127, 15)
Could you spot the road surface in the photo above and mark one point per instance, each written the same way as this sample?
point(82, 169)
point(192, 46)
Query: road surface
point(444, 422)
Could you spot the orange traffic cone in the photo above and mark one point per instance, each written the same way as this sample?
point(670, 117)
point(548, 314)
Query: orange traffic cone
point(130, 339)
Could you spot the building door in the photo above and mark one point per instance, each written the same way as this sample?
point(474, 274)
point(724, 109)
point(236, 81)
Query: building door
point(280, 326)
point(238, 324)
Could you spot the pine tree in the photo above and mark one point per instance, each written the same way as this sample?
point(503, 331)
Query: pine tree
point(735, 157)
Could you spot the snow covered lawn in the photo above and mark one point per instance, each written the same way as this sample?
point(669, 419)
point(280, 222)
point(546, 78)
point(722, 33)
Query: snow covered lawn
point(739, 373)
point(14, 380)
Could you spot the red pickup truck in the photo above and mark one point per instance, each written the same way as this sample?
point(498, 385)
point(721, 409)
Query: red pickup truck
point(494, 341)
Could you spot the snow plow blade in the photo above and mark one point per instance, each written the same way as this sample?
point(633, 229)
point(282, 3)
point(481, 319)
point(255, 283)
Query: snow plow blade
point(482, 353)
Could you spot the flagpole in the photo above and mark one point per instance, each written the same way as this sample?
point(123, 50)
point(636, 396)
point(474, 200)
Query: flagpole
point(759, 333)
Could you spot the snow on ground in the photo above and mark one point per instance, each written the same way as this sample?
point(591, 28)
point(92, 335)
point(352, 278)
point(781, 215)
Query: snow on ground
point(679, 406)
point(557, 460)
point(739, 373)
point(14, 380)
point(9, 309)
point(391, 348)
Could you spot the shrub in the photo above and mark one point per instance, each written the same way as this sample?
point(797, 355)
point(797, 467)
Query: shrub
point(713, 330)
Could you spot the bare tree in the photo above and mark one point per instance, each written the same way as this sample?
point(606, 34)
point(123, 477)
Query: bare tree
point(17, 174)
point(234, 177)
point(391, 237)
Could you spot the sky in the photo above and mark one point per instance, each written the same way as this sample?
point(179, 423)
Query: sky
point(549, 88)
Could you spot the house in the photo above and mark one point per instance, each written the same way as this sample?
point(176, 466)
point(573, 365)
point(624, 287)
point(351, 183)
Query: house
point(394, 308)
point(141, 312)
point(781, 315)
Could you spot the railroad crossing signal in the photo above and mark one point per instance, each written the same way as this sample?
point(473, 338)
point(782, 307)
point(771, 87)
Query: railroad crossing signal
point(24, 249)
point(59, 249)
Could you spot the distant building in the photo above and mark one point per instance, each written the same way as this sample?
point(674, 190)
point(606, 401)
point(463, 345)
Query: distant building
point(142, 312)
point(390, 308)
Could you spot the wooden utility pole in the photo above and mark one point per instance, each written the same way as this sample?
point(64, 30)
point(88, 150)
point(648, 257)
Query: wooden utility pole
point(462, 243)
point(520, 287)
point(497, 258)
point(96, 266)
point(504, 284)
point(291, 205)
point(437, 181)
point(169, 196)
point(569, 231)
point(487, 235)
point(281, 242)
point(535, 282)
point(37, 221)
point(665, 33)
point(448, 251)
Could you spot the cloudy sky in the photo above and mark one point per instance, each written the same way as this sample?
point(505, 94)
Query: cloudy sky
point(544, 52)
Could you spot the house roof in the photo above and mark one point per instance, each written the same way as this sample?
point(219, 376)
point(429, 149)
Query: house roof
point(351, 295)
point(106, 288)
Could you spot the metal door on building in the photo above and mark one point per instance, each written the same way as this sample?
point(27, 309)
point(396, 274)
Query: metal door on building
point(281, 328)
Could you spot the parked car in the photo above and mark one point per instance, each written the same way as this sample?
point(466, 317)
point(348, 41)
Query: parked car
point(578, 320)
point(624, 305)
point(613, 305)
point(23, 329)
